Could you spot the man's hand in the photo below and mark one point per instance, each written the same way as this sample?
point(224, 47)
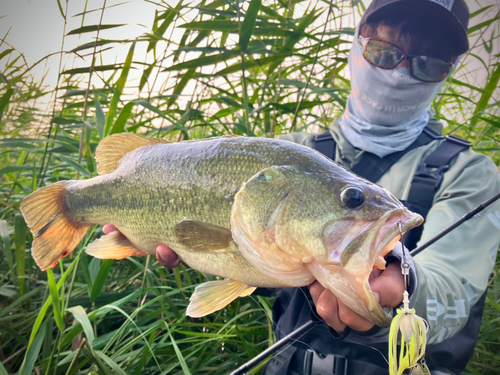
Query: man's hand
point(166, 256)
point(387, 285)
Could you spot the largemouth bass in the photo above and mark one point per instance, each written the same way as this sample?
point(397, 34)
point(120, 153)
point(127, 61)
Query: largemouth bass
point(257, 212)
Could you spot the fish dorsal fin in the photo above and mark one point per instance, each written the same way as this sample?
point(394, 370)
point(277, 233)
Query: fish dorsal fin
point(201, 236)
point(113, 148)
point(215, 295)
point(113, 246)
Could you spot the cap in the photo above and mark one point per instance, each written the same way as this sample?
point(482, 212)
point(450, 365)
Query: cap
point(451, 15)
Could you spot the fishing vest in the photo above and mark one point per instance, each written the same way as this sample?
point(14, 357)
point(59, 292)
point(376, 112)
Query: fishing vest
point(322, 351)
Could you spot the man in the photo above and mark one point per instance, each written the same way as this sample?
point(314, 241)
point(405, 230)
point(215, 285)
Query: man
point(402, 53)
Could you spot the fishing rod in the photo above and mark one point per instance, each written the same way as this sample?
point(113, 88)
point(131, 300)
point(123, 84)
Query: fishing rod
point(309, 325)
point(460, 221)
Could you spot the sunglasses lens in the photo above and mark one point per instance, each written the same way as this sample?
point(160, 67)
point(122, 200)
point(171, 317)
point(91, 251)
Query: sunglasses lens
point(382, 54)
point(430, 69)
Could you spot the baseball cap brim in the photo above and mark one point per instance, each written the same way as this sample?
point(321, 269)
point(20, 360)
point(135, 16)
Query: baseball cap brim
point(426, 12)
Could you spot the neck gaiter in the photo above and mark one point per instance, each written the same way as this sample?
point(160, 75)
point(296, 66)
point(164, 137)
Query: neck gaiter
point(387, 109)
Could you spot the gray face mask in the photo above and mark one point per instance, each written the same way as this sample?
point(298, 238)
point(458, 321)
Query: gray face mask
point(387, 109)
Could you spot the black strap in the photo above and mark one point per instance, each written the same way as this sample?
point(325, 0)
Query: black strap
point(371, 166)
point(427, 180)
point(325, 144)
point(430, 173)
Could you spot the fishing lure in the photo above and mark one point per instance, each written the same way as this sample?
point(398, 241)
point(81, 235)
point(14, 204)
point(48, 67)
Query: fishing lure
point(413, 331)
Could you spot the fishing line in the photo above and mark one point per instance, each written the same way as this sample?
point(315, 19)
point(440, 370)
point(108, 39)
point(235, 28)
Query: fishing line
point(279, 330)
point(309, 325)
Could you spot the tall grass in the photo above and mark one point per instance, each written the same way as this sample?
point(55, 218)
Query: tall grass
point(205, 68)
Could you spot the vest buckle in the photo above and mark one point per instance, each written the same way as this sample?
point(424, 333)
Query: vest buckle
point(324, 364)
point(430, 176)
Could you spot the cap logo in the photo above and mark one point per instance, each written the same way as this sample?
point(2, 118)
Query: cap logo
point(446, 3)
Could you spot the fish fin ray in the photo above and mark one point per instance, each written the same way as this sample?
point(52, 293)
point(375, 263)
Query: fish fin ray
point(113, 148)
point(215, 295)
point(56, 235)
point(248, 291)
point(113, 246)
point(201, 236)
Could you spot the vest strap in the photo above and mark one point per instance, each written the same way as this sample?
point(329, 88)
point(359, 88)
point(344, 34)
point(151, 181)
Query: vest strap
point(372, 167)
point(430, 173)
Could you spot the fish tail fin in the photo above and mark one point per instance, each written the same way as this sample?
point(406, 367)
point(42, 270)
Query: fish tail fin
point(55, 234)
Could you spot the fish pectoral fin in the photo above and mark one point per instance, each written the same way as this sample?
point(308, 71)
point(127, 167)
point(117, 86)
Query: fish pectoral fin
point(201, 236)
point(215, 295)
point(111, 149)
point(113, 246)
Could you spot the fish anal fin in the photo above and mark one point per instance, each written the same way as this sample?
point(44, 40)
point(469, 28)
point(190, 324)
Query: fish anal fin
point(113, 148)
point(113, 246)
point(215, 295)
point(201, 236)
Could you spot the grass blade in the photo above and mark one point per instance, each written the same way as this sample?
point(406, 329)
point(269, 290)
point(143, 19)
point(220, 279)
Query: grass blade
point(56, 303)
point(81, 316)
point(92, 28)
point(248, 24)
point(490, 87)
point(100, 118)
point(4, 101)
point(114, 366)
point(121, 121)
point(33, 351)
point(4, 233)
point(100, 279)
point(120, 85)
point(20, 242)
point(178, 353)
point(3, 371)
point(75, 165)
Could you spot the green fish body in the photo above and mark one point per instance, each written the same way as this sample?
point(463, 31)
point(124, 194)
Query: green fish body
point(257, 212)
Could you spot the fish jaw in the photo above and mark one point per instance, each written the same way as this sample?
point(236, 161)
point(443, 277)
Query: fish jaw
point(348, 280)
point(354, 291)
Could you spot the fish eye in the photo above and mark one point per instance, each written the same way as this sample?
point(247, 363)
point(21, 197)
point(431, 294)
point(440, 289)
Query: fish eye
point(352, 197)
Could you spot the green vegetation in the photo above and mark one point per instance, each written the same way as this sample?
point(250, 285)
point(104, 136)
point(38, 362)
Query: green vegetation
point(207, 68)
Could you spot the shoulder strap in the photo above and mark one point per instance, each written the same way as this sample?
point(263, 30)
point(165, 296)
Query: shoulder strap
point(325, 144)
point(428, 177)
point(372, 167)
point(427, 180)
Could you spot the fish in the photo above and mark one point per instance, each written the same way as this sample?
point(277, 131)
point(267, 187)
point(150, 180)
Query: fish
point(256, 212)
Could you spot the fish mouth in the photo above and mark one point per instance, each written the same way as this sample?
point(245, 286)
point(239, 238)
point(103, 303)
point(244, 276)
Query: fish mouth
point(390, 233)
point(387, 237)
point(347, 274)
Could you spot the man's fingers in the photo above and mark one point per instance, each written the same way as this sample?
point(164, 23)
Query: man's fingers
point(109, 228)
point(326, 306)
point(353, 320)
point(315, 290)
point(389, 285)
point(167, 257)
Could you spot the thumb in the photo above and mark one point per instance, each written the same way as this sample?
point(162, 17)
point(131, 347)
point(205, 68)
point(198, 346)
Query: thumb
point(389, 285)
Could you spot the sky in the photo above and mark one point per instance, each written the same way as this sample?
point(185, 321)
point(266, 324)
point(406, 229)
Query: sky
point(36, 27)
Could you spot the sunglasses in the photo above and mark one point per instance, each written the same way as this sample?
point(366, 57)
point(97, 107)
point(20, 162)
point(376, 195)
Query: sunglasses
point(386, 55)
